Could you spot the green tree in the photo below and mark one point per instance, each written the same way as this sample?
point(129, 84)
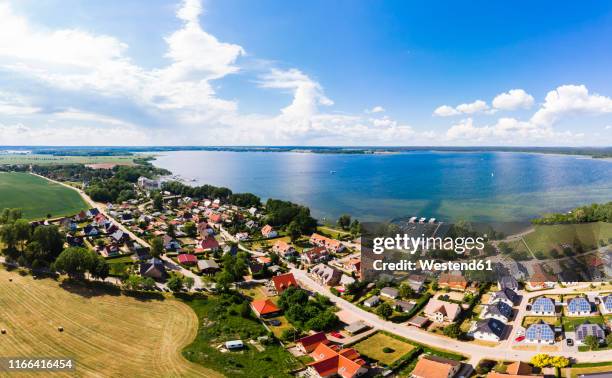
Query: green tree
point(157, 247)
point(609, 340)
point(158, 201)
point(344, 222)
point(592, 342)
point(175, 283)
point(355, 228)
point(51, 241)
point(21, 228)
point(190, 229)
point(452, 330)
point(384, 310)
point(75, 261)
point(188, 282)
point(405, 291)
point(294, 230)
point(148, 283)
point(100, 268)
point(290, 334)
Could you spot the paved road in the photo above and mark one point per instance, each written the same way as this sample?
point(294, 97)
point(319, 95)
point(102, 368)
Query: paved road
point(474, 351)
point(168, 262)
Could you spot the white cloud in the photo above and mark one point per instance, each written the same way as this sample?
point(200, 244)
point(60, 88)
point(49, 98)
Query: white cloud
point(513, 99)
point(568, 100)
point(477, 106)
point(377, 109)
point(79, 115)
point(12, 104)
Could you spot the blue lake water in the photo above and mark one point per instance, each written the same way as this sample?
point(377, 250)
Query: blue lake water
point(477, 186)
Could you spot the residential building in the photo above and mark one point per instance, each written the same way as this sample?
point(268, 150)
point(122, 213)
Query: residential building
point(606, 304)
point(309, 343)
point(148, 184)
point(488, 329)
point(283, 282)
point(331, 245)
point(500, 311)
point(441, 311)
point(435, 367)
point(540, 280)
point(540, 333)
point(543, 306)
point(153, 268)
point(578, 306)
point(283, 249)
point(315, 255)
point(508, 282)
point(404, 306)
point(265, 308)
point(268, 231)
point(373, 301)
point(331, 361)
point(187, 259)
point(389, 292)
point(452, 281)
point(326, 274)
point(208, 267)
point(507, 296)
point(589, 329)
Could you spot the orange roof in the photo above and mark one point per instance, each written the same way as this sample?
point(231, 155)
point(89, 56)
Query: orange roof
point(283, 281)
point(519, 367)
point(282, 246)
point(430, 367)
point(345, 363)
point(499, 375)
point(264, 307)
point(266, 229)
point(452, 280)
point(323, 352)
point(315, 338)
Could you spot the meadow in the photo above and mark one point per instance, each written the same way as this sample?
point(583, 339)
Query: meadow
point(37, 197)
point(38, 159)
point(107, 334)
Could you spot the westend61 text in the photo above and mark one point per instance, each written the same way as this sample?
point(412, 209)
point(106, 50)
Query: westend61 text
point(405, 265)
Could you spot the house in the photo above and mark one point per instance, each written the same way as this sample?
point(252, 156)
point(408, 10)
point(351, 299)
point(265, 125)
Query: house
point(353, 265)
point(519, 368)
point(430, 366)
point(356, 327)
point(315, 255)
point(308, 343)
point(589, 329)
point(119, 236)
point(153, 268)
point(500, 311)
point(543, 306)
point(452, 281)
point(373, 301)
point(578, 306)
point(147, 183)
point(234, 344)
point(441, 311)
point(140, 253)
point(404, 306)
point(418, 321)
point(208, 244)
point(204, 230)
point(283, 282)
point(508, 282)
point(74, 241)
point(326, 274)
point(283, 249)
point(208, 267)
point(268, 232)
point(331, 361)
point(488, 329)
point(540, 333)
point(540, 280)
point(606, 305)
point(187, 259)
point(332, 245)
point(417, 282)
point(90, 230)
point(508, 296)
point(81, 216)
point(389, 292)
point(346, 280)
point(92, 212)
point(265, 308)
point(170, 243)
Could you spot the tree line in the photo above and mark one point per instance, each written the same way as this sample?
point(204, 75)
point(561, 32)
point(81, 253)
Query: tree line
point(584, 214)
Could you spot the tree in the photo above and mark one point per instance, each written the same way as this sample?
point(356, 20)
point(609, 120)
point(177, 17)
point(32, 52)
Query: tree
point(559, 362)
point(175, 283)
point(148, 283)
point(384, 310)
point(157, 247)
point(609, 340)
point(21, 229)
point(405, 291)
point(190, 229)
point(100, 268)
point(592, 342)
point(188, 282)
point(355, 228)
point(10, 215)
point(158, 201)
point(75, 261)
point(290, 334)
point(133, 282)
point(294, 231)
point(344, 222)
point(51, 241)
point(540, 360)
point(224, 279)
point(452, 330)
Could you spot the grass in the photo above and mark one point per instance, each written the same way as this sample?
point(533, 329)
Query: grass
point(38, 197)
point(552, 320)
point(220, 322)
point(546, 237)
point(574, 372)
point(37, 159)
point(372, 347)
point(107, 334)
point(570, 323)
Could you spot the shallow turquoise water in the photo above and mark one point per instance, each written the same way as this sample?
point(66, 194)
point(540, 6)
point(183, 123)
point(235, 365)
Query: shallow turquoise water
point(479, 186)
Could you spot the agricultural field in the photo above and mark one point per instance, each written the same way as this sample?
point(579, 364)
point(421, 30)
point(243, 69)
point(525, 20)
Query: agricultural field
point(37, 159)
point(38, 197)
point(545, 238)
point(107, 334)
point(373, 346)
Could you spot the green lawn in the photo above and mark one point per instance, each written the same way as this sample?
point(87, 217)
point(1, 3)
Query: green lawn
point(37, 159)
point(37, 197)
point(546, 237)
point(372, 347)
point(552, 320)
point(570, 322)
point(220, 321)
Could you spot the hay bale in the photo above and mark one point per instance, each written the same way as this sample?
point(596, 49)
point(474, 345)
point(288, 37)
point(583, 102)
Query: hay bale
point(3, 331)
point(61, 329)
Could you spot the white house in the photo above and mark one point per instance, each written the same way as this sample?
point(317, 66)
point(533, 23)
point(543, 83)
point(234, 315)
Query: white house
point(488, 329)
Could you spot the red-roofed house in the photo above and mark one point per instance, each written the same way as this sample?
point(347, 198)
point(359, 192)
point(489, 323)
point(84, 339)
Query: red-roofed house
point(331, 362)
point(268, 232)
point(452, 281)
point(207, 244)
point(331, 245)
point(284, 281)
point(186, 259)
point(283, 249)
point(315, 256)
point(309, 343)
point(264, 308)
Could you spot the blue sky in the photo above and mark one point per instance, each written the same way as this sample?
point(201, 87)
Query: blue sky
point(238, 72)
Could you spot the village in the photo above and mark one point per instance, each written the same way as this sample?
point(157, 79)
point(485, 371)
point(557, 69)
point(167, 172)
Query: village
point(309, 293)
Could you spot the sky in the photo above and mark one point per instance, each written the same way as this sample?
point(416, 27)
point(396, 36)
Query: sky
point(317, 73)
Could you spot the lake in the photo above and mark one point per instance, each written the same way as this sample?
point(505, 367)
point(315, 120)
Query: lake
point(476, 186)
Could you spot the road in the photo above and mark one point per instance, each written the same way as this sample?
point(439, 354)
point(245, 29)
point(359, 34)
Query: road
point(474, 351)
point(168, 262)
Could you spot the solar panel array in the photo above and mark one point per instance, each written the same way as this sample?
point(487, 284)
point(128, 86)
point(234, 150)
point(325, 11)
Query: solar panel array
point(543, 305)
point(540, 331)
point(588, 329)
point(608, 303)
point(579, 305)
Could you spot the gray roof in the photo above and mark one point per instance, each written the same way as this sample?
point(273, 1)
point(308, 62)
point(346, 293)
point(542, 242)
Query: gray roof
point(589, 329)
point(493, 326)
point(372, 300)
point(389, 291)
point(499, 308)
point(508, 282)
point(506, 293)
point(207, 264)
point(356, 327)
